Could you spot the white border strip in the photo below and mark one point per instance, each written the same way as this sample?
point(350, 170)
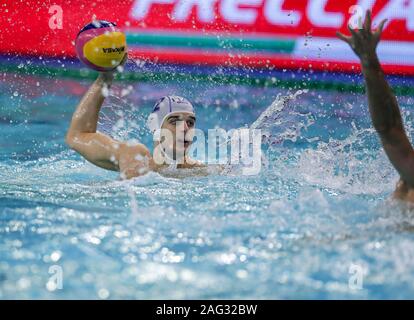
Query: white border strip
point(389, 52)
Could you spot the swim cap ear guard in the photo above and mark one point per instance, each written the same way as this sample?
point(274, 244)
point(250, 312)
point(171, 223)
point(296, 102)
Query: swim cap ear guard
point(152, 124)
point(162, 109)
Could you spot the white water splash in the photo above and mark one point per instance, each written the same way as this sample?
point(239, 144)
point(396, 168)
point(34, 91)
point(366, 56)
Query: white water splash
point(275, 116)
point(277, 106)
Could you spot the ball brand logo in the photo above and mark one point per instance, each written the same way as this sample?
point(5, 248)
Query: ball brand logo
point(111, 50)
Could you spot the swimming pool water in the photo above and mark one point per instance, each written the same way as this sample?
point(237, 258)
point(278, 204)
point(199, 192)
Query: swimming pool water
point(319, 211)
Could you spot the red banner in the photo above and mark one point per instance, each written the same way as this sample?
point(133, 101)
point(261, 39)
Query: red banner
point(295, 33)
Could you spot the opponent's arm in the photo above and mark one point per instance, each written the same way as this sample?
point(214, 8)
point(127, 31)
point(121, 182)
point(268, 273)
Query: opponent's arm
point(383, 105)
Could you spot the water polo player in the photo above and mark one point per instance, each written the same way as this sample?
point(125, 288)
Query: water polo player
point(100, 45)
point(171, 122)
point(383, 106)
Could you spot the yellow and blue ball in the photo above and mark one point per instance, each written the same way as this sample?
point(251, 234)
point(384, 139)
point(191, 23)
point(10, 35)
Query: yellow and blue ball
point(101, 45)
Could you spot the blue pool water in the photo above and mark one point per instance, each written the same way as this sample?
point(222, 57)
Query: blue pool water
point(319, 211)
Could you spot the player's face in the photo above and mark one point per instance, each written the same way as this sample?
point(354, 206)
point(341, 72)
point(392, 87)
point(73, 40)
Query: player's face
point(179, 125)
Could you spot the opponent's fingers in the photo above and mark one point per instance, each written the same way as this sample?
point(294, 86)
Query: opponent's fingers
point(343, 37)
point(360, 23)
point(367, 22)
point(353, 32)
point(381, 27)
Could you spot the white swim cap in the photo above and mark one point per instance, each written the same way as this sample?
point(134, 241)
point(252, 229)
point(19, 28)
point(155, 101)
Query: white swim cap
point(165, 107)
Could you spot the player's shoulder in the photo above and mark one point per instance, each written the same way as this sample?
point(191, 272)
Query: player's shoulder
point(199, 164)
point(132, 149)
point(193, 163)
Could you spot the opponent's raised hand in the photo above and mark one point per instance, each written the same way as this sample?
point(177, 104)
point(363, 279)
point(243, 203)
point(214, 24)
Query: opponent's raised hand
point(364, 41)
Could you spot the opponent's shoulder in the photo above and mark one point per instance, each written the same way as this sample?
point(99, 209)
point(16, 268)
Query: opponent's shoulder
point(403, 191)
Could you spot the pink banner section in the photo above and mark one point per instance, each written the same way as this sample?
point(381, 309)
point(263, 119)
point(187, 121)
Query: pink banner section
point(47, 28)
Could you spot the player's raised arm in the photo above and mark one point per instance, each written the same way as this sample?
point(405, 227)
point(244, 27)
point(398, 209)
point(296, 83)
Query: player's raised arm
point(383, 105)
point(82, 136)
